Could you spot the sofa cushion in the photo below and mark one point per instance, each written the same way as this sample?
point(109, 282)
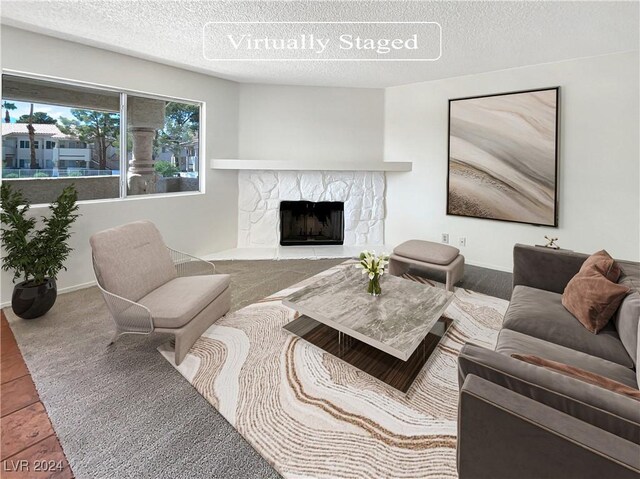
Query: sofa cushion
point(627, 322)
point(594, 405)
point(177, 302)
point(545, 268)
point(627, 318)
point(581, 374)
point(592, 297)
point(638, 361)
point(131, 260)
point(427, 251)
point(540, 314)
point(512, 342)
point(630, 274)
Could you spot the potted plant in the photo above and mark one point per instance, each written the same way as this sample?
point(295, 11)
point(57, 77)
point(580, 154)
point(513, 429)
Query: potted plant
point(373, 266)
point(35, 256)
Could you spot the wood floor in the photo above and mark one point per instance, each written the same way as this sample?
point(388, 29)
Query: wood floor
point(29, 446)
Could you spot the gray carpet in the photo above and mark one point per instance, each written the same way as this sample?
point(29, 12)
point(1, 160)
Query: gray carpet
point(482, 280)
point(124, 411)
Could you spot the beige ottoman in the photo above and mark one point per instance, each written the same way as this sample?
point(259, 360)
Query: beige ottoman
point(428, 255)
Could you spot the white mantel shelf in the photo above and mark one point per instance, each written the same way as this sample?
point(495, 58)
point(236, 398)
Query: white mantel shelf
point(285, 165)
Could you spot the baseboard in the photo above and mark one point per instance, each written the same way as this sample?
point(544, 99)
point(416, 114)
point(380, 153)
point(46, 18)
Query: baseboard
point(68, 289)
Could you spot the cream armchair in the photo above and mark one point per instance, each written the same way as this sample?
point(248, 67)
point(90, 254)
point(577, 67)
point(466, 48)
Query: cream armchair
point(149, 287)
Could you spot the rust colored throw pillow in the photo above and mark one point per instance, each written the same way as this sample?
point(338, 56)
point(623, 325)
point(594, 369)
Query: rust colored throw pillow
point(604, 263)
point(593, 295)
point(581, 374)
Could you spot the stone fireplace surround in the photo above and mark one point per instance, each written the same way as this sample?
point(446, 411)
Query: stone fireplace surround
point(260, 194)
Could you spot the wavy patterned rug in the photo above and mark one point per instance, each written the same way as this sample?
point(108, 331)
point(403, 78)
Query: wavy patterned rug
point(312, 416)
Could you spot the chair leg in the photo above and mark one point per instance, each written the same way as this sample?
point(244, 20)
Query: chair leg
point(184, 339)
point(179, 349)
point(115, 337)
point(189, 334)
point(450, 281)
point(397, 268)
point(455, 274)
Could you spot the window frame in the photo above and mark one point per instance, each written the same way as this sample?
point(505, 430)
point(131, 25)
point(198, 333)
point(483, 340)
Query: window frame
point(123, 93)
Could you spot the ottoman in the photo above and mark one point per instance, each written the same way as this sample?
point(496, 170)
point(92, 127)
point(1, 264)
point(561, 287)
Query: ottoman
point(430, 256)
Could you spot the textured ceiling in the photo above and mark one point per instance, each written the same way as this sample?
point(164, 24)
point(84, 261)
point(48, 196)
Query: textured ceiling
point(476, 36)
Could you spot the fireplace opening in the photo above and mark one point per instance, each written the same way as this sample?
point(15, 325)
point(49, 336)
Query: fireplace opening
point(306, 222)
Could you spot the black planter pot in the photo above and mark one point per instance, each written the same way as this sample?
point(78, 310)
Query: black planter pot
point(30, 302)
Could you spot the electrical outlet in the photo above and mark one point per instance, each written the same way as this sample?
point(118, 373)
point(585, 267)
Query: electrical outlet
point(445, 238)
point(462, 241)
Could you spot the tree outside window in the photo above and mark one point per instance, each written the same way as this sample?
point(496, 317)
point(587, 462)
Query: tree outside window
point(91, 126)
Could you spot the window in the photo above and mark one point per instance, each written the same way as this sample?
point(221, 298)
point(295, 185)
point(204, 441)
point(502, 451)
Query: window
point(172, 130)
point(161, 153)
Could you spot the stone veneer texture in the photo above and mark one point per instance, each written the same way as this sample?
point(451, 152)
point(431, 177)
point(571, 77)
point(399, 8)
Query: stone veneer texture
point(260, 194)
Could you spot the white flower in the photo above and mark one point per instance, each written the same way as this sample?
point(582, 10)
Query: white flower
point(372, 264)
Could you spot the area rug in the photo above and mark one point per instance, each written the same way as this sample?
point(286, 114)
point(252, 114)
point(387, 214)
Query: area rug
point(312, 416)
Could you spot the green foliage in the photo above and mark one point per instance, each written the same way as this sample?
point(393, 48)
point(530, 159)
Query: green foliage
point(41, 174)
point(97, 127)
point(38, 117)
point(11, 175)
point(75, 173)
point(166, 169)
point(181, 123)
point(7, 107)
point(91, 125)
point(182, 114)
point(36, 254)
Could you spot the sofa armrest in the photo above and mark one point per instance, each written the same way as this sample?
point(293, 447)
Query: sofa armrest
point(545, 268)
point(502, 434)
point(607, 410)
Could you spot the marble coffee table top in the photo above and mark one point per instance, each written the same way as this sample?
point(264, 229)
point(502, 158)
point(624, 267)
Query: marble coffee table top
point(395, 322)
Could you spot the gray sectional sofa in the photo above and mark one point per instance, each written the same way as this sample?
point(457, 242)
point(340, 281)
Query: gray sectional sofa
point(521, 420)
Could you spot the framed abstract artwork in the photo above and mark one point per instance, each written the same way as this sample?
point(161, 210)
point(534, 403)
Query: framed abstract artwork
point(503, 157)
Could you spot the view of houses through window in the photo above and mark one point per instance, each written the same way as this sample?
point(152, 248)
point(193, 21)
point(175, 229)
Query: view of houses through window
point(64, 145)
point(71, 134)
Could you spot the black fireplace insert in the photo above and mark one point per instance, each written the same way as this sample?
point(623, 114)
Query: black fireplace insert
point(306, 222)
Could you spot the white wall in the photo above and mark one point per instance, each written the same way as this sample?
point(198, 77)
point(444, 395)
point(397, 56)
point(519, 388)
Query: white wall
point(310, 124)
point(599, 155)
point(199, 224)
point(599, 200)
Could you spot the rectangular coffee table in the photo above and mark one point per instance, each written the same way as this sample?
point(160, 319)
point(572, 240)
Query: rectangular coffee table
point(389, 337)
